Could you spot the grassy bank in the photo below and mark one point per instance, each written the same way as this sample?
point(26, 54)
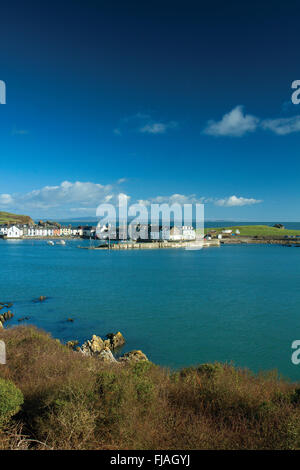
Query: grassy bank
point(257, 231)
point(8, 218)
point(76, 402)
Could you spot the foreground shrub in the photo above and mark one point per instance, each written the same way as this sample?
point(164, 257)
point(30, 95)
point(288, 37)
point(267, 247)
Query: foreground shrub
point(77, 402)
point(11, 399)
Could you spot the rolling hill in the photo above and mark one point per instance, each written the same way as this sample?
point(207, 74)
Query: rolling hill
point(8, 218)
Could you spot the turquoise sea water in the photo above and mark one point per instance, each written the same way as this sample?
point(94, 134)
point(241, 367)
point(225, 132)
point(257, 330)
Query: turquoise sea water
point(233, 303)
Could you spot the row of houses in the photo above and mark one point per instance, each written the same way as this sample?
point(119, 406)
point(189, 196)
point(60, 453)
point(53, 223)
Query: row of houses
point(139, 232)
point(20, 231)
point(146, 232)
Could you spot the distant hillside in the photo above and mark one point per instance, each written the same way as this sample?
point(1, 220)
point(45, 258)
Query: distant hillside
point(257, 231)
point(8, 218)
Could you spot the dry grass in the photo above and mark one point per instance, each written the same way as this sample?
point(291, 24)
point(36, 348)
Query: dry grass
point(76, 402)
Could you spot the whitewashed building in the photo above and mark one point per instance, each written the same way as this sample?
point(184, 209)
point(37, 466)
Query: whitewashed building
point(66, 231)
point(3, 230)
point(14, 232)
point(188, 233)
point(77, 231)
point(175, 234)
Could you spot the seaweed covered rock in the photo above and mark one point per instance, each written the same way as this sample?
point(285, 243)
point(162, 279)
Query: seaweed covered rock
point(134, 356)
point(23, 319)
point(8, 315)
point(116, 340)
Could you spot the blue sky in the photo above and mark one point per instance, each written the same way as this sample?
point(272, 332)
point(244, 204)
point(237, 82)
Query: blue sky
point(151, 99)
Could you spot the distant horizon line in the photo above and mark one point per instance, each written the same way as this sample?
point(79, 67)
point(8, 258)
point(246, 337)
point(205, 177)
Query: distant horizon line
point(94, 219)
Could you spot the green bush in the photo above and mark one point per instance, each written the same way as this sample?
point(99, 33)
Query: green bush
point(11, 399)
point(141, 368)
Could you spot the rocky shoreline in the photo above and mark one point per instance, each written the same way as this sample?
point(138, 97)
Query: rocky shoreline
point(102, 349)
point(259, 241)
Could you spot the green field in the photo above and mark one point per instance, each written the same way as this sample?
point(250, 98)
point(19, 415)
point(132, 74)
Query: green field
point(8, 218)
point(257, 231)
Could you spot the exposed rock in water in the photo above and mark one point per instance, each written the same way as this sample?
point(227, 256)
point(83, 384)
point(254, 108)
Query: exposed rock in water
point(116, 340)
point(41, 298)
point(70, 320)
point(102, 349)
point(134, 356)
point(5, 305)
point(23, 319)
point(107, 356)
point(7, 315)
point(92, 347)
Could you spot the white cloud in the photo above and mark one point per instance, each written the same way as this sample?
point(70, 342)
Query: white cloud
point(234, 124)
point(175, 198)
point(158, 127)
point(282, 126)
point(236, 201)
point(5, 199)
point(61, 198)
point(58, 202)
point(143, 123)
point(83, 210)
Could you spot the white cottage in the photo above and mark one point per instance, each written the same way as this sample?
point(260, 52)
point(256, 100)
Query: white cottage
point(188, 233)
point(175, 234)
point(14, 232)
point(3, 230)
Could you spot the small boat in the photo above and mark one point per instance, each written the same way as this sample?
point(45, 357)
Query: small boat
point(61, 242)
point(50, 242)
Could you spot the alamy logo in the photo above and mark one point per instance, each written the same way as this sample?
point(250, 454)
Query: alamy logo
point(151, 221)
point(296, 354)
point(2, 353)
point(296, 95)
point(2, 92)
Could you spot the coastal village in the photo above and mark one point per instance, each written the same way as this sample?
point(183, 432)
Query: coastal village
point(148, 235)
point(137, 232)
point(40, 230)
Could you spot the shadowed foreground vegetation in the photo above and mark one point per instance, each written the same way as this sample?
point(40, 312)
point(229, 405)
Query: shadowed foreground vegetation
point(53, 397)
